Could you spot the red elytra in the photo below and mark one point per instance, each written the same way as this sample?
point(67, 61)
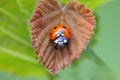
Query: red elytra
point(54, 31)
point(49, 13)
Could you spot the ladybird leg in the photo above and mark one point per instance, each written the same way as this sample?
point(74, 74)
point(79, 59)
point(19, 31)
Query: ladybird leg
point(56, 47)
point(53, 44)
point(67, 45)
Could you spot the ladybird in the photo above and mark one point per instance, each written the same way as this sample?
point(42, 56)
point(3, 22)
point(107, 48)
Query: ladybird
point(60, 35)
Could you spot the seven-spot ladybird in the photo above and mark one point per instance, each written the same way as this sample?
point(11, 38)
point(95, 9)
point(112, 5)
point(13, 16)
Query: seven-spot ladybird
point(60, 35)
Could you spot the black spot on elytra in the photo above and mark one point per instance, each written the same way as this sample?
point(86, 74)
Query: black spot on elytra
point(64, 27)
point(55, 27)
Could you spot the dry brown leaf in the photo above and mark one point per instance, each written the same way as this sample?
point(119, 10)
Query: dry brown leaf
point(48, 14)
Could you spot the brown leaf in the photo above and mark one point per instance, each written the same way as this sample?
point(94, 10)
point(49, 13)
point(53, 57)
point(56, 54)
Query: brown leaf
point(48, 14)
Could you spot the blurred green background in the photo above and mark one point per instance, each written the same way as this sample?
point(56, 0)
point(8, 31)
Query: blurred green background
point(100, 61)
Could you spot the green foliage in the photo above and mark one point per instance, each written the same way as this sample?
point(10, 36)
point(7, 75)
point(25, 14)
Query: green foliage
point(18, 58)
point(92, 4)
